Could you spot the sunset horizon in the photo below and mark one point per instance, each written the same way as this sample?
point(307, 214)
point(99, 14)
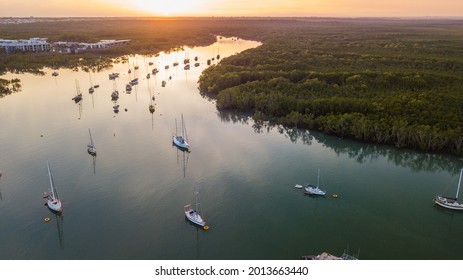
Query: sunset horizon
point(239, 8)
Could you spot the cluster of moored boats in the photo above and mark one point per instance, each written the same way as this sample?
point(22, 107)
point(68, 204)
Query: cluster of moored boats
point(179, 139)
point(132, 82)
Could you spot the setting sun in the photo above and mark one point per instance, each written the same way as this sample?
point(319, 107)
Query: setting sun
point(181, 8)
point(170, 8)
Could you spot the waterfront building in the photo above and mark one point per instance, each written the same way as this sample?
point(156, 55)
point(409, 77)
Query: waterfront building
point(79, 46)
point(41, 45)
point(31, 45)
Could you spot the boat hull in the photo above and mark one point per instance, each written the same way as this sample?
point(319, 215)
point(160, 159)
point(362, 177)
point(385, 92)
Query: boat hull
point(448, 203)
point(54, 205)
point(180, 142)
point(91, 150)
point(195, 218)
point(314, 191)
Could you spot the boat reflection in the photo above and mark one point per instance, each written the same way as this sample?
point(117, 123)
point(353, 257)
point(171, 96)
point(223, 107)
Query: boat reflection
point(1, 197)
point(59, 221)
point(182, 155)
point(93, 162)
point(80, 110)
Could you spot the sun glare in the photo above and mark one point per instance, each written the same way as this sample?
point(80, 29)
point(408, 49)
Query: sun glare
point(171, 7)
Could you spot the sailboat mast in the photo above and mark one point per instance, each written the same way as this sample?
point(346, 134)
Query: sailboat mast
point(318, 180)
point(184, 129)
point(459, 183)
point(49, 177)
point(91, 140)
point(52, 184)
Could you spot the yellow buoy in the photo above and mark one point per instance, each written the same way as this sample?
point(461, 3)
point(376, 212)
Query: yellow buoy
point(335, 195)
point(206, 227)
point(46, 219)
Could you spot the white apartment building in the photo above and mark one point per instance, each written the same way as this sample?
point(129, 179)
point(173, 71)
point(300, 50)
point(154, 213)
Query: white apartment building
point(41, 45)
point(31, 45)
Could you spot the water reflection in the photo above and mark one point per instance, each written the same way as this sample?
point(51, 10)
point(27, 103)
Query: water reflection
point(182, 155)
point(152, 109)
point(415, 161)
point(234, 117)
point(59, 218)
point(1, 174)
point(361, 152)
point(80, 109)
point(94, 163)
point(101, 64)
point(8, 87)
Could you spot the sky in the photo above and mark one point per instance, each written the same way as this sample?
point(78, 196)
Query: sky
point(321, 8)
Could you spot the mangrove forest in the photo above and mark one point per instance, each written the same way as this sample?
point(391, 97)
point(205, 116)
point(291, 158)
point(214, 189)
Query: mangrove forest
point(397, 82)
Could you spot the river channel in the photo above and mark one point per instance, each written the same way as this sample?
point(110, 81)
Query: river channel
point(127, 202)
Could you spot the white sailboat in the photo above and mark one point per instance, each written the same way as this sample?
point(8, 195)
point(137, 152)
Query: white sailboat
point(450, 202)
point(315, 190)
point(193, 215)
point(90, 147)
point(53, 201)
point(180, 140)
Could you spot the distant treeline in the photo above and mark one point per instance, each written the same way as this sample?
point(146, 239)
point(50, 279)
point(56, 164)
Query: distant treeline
point(384, 81)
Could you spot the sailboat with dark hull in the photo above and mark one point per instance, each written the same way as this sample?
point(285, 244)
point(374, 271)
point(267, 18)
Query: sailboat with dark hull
point(450, 202)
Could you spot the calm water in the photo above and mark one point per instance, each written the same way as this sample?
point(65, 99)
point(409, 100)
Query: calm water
point(128, 203)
